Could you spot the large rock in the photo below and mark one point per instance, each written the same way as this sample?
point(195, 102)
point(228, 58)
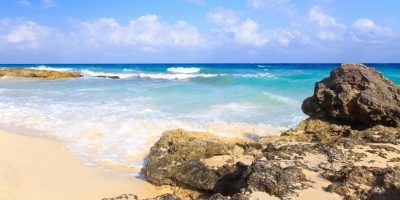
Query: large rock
point(356, 95)
point(177, 159)
point(34, 73)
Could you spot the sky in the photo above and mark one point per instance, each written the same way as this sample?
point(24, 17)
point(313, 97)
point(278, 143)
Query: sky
point(199, 31)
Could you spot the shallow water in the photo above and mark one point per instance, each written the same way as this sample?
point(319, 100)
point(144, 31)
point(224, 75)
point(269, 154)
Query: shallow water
point(116, 121)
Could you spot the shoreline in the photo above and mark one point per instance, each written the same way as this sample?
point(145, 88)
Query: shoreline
point(41, 168)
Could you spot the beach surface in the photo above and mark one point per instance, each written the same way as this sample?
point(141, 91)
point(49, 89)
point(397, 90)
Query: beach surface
point(40, 168)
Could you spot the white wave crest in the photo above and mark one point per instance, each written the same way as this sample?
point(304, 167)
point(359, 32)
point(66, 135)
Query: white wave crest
point(129, 70)
point(165, 76)
point(184, 70)
point(86, 72)
point(44, 67)
point(283, 99)
point(256, 75)
point(173, 76)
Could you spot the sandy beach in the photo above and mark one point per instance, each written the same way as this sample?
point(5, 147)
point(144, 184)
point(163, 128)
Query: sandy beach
point(38, 168)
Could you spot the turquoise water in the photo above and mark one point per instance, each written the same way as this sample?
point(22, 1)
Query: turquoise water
point(116, 121)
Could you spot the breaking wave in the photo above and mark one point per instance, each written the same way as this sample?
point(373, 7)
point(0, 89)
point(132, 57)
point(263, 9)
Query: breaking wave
point(44, 67)
point(94, 74)
point(184, 70)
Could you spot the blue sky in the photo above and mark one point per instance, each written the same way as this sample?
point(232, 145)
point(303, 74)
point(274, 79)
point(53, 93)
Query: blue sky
point(154, 31)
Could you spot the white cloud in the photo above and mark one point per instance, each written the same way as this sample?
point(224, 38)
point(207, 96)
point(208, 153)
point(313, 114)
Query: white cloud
point(146, 31)
point(247, 31)
point(328, 29)
point(23, 2)
point(48, 3)
point(24, 34)
point(324, 20)
point(223, 17)
point(266, 3)
point(366, 29)
point(243, 31)
point(199, 2)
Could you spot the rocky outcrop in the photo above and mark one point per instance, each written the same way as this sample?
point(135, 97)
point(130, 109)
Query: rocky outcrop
point(43, 74)
point(135, 197)
point(348, 149)
point(269, 177)
point(356, 95)
point(177, 159)
point(40, 74)
point(110, 77)
point(360, 182)
point(217, 167)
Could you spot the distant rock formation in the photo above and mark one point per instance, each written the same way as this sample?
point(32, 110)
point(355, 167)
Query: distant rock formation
point(356, 95)
point(39, 74)
point(43, 74)
point(110, 77)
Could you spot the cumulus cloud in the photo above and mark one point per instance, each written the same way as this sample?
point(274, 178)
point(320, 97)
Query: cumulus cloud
point(23, 2)
point(199, 2)
point(146, 31)
point(48, 3)
point(367, 30)
point(328, 29)
point(266, 3)
point(23, 34)
point(243, 31)
point(247, 31)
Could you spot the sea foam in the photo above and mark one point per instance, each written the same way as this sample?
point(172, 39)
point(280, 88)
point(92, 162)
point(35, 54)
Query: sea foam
point(184, 70)
point(173, 76)
point(44, 67)
point(86, 72)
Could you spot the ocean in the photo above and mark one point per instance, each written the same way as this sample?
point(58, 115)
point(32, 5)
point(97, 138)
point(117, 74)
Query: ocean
point(113, 123)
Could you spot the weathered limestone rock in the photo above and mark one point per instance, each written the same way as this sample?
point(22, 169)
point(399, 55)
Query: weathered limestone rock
point(165, 197)
point(356, 95)
point(275, 180)
point(34, 73)
point(350, 140)
point(135, 197)
point(176, 160)
point(356, 182)
point(110, 77)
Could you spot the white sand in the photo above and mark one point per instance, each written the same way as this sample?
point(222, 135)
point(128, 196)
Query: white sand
point(36, 168)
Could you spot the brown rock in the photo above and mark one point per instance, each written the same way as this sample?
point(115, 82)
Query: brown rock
point(275, 180)
point(176, 160)
point(110, 77)
point(165, 197)
point(40, 74)
point(365, 182)
point(356, 95)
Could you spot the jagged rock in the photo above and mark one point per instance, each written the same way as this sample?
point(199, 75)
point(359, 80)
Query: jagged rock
point(124, 197)
point(361, 182)
point(176, 160)
point(135, 197)
point(349, 139)
point(110, 77)
point(275, 180)
point(34, 73)
point(238, 196)
point(320, 128)
point(356, 95)
point(323, 131)
point(165, 197)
